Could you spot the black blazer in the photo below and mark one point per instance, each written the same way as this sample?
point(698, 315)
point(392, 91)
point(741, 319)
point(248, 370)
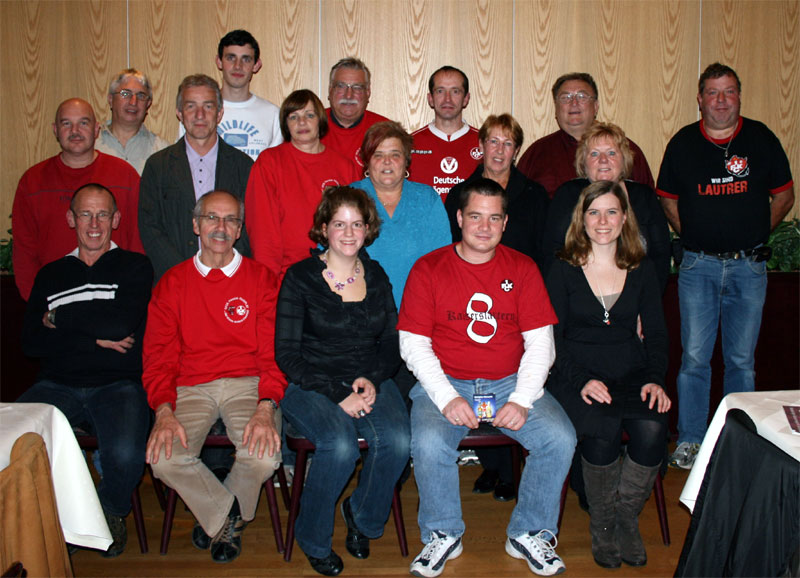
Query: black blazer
point(166, 200)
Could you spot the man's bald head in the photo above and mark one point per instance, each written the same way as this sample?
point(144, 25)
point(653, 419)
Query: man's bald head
point(76, 129)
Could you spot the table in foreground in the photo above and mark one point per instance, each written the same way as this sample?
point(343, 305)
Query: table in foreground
point(744, 491)
point(79, 510)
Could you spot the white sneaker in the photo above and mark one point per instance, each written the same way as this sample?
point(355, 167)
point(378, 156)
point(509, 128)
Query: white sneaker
point(684, 455)
point(435, 555)
point(536, 550)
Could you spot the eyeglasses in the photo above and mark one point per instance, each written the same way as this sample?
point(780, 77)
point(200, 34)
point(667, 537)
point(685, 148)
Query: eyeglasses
point(214, 219)
point(356, 88)
point(126, 94)
point(568, 97)
point(88, 217)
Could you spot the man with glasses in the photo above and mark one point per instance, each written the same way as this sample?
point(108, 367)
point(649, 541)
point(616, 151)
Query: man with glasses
point(174, 178)
point(550, 161)
point(209, 354)
point(41, 234)
point(348, 117)
point(85, 320)
point(125, 136)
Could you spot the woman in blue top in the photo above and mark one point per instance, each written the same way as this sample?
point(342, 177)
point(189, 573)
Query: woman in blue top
point(414, 221)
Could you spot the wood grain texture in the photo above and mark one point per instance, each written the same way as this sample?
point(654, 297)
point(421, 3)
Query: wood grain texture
point(178, 38)
point(51, 51)
point(643, 54)
point(402, 43)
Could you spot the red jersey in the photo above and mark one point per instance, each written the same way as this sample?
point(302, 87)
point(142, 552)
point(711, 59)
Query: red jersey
point(475, 314)
point(347, 141)
point(441, 160)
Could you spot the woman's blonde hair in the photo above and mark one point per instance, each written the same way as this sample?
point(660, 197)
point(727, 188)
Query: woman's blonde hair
point(604, 130)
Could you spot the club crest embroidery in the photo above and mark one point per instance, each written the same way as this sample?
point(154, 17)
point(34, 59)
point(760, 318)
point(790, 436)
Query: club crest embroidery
point(507, 285)
point(237, 310)
point(476, 153)
point(737, 166)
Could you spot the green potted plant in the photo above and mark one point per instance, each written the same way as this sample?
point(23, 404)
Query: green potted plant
point(785, 244)
point(6, 266)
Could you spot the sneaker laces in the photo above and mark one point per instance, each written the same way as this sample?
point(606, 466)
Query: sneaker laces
point(434, 548)
point(229, 530)
point(541, 541)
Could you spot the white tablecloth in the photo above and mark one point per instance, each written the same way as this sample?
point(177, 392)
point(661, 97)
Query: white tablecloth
point(79, 510)
point(765, 408)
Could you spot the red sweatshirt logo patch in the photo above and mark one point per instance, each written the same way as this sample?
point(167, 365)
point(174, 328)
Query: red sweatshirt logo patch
point(237, 310)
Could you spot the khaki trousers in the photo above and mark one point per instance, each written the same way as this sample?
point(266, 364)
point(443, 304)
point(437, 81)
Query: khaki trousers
point(197, 408)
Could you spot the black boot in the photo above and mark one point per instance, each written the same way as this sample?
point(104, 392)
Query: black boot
point(635, 486)
point(601, 492)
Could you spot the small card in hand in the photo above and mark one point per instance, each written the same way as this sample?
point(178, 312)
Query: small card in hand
point(484, 407)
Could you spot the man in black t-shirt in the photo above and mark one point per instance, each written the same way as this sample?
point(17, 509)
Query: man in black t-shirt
point(724, 183)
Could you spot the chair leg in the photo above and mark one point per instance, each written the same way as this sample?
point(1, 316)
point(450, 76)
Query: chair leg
point(294, 508)
point(284, 484)
point(563, 501)
point(516, 468)
point(158, 487)
point(662, 510)
point(399, 523)
point(272, 503)
point(138, 518)
point(169, 516)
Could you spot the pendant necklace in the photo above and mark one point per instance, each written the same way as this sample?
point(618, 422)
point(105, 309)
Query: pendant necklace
point(606, 319)
point(724, 148)
point(338, 285)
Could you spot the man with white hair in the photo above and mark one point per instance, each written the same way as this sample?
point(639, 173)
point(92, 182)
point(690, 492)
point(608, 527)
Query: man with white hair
point(348, 117)
point(130, 96)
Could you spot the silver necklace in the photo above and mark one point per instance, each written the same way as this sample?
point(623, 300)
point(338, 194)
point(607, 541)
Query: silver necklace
point(606, 319)
point(726, 147)
point(338, 285)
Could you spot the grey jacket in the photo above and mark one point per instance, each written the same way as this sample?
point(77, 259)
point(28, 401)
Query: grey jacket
point(166, 200)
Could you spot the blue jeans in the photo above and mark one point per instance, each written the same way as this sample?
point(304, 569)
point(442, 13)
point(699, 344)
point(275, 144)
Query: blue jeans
point(119, 416)
point(335, 436)
point(547, 434)
point(713, 292)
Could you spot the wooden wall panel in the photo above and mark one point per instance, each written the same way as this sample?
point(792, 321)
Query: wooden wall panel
point(178, 38)
point(761, 41)
point(641, 54)
point(52, 51)
point(402, 43)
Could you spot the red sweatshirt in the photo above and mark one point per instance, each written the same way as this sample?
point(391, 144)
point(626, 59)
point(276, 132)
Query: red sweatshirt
point(283, 192)
point(39, 216)
point(201, 328)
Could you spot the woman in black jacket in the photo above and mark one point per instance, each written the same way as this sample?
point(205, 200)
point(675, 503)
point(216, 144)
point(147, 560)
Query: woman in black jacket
point(604, 155)
point(336, 341)
point(606, 377)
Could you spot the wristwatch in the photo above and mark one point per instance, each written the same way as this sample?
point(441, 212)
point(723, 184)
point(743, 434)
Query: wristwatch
point(271, 402)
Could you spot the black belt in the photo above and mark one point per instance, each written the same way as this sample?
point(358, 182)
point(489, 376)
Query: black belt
point(762, 251)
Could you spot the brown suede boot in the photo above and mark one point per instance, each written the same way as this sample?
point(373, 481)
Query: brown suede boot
point(601, 493)
point(635, 486)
